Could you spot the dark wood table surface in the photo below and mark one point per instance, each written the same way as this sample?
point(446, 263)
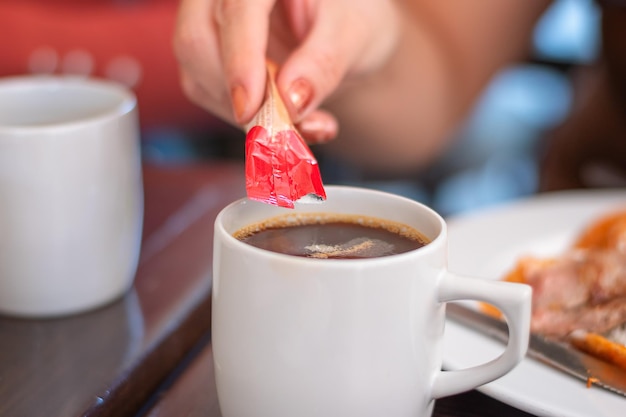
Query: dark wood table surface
point(149, 353)
point(110, 361)
point(193, 394)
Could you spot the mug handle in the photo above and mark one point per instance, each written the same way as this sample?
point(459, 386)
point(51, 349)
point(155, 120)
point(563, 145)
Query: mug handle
point(514, 301)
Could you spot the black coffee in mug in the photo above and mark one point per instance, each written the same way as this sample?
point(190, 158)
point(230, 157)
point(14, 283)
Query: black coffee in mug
point(332, 236)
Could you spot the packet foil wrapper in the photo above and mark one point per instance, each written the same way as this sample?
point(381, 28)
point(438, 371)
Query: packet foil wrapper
point(280, 167)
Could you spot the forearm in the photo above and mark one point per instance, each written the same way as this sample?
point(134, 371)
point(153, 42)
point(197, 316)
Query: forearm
point(403, 116)
point(394, 118)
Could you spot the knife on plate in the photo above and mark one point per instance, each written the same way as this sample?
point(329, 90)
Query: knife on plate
point(558, 355)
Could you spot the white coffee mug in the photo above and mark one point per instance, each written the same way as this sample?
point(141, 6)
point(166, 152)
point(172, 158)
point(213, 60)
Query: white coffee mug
point(304, 337)
point(71, 193)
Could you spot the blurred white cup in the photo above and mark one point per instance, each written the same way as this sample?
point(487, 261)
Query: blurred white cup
point(71, 195)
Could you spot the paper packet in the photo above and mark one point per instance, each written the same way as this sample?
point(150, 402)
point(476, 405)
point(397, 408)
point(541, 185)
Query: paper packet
point(280, 167)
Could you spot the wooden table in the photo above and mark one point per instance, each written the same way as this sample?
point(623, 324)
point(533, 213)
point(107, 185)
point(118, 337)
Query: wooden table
point(193, 394)
point(149, 353)
point(109, 362)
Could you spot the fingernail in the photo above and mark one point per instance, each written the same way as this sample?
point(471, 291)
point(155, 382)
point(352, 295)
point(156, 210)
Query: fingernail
point(318, 130)
point(300, 94)
point(239, 99)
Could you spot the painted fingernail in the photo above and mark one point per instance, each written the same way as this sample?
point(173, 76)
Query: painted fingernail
point(300, 94)
point(239, 100)
point(318, 129)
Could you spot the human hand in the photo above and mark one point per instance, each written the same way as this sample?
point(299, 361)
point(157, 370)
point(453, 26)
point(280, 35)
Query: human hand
point(320, 45)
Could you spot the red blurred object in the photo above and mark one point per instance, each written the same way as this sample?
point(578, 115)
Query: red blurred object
point(280, 167)
point(111, 39)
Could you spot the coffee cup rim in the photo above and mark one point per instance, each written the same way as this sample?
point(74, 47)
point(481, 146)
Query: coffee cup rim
point(433, 245)
point(126, 104)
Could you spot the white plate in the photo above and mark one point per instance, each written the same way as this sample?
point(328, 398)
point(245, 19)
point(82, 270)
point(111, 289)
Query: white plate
point(486, 244)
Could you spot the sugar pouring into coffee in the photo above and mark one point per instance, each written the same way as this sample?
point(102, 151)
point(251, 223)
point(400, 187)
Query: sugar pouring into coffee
point(332, 236)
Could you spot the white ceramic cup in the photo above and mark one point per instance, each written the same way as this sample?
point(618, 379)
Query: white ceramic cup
point(306, 337)
point(71, 194)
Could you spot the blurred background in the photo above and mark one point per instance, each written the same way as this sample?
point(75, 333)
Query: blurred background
point(495, 157)
point(497, 151)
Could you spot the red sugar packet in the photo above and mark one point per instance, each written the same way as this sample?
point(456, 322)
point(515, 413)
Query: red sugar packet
point(280, 167)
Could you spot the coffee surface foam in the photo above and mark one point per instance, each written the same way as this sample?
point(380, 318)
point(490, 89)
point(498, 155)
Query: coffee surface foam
point(330, 235)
